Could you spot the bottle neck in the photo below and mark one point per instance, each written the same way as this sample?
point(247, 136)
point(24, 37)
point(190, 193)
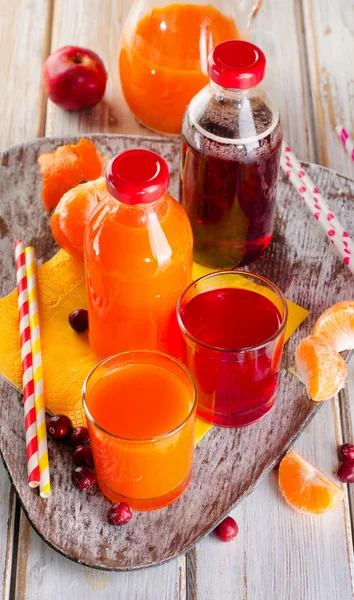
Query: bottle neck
point(235, 93)
point(138, 215)
point(233, 116)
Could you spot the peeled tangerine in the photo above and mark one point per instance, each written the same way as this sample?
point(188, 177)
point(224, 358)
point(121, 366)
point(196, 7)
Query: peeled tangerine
point(336, 326)
point(68, 166)
point(69, 220)
point(320, 367)
point(305, 487)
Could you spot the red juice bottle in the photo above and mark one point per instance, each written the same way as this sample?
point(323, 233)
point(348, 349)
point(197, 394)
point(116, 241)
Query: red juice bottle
point(231, 144)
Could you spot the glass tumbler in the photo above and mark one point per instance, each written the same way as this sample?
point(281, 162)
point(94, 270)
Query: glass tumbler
point(140, 408)
point(233, 325)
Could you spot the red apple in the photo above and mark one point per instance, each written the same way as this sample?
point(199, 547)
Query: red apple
point(74, 78)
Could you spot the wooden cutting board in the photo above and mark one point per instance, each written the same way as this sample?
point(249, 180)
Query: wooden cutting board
point(228, 463)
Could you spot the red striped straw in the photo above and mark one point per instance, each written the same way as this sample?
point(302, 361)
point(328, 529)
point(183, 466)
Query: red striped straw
point(346, 141)
point(27, 369)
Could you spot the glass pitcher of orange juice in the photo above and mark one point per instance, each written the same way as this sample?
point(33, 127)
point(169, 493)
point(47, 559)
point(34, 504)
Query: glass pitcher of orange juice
point(164, 50)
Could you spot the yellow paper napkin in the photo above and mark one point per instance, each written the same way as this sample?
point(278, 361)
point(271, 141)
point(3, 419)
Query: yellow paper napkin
point(67, 357)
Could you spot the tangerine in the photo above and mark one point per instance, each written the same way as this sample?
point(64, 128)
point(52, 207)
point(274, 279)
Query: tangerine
point(305, 487)
point(336, 326)
point(320, 367)
point(69, 220)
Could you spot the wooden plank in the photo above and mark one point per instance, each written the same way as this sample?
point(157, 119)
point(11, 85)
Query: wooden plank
point(330, 47)
point(278, 32)
point(280, 553)
point(7, 519)
point(347, 417)
point(23, 115)
point(330, 44)
point(42, 573)
point(23, 45)
point(95, 25)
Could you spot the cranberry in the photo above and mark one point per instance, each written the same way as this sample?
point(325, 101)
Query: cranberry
point(79, 437)
point(82, 456)
point(346, 472)
point(227, 530)
point(59, 426)
point(346, 452)
point(83, 478)
point(78, 320)
point(119, 514)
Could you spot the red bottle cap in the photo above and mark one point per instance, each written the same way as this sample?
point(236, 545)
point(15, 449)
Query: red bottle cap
point(137, 176)
point(236, 65)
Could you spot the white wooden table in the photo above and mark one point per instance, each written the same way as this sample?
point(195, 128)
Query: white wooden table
point(278, 554)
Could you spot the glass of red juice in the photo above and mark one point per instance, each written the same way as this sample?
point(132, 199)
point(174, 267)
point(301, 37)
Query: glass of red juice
point(233, 325)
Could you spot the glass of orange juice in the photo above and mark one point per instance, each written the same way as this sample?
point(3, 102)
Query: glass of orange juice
point(164, 49)
point(141, 409)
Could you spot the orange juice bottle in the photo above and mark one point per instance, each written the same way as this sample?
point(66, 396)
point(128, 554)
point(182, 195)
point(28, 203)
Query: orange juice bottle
point(163, 58)
point(138, 258)
point(141, 409)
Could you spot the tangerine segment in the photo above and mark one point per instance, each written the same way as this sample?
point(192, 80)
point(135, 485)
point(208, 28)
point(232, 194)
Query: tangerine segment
point(305, 487)
point(69, 220)
point(320, 367)
point(67, 167)
point(336, 326)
